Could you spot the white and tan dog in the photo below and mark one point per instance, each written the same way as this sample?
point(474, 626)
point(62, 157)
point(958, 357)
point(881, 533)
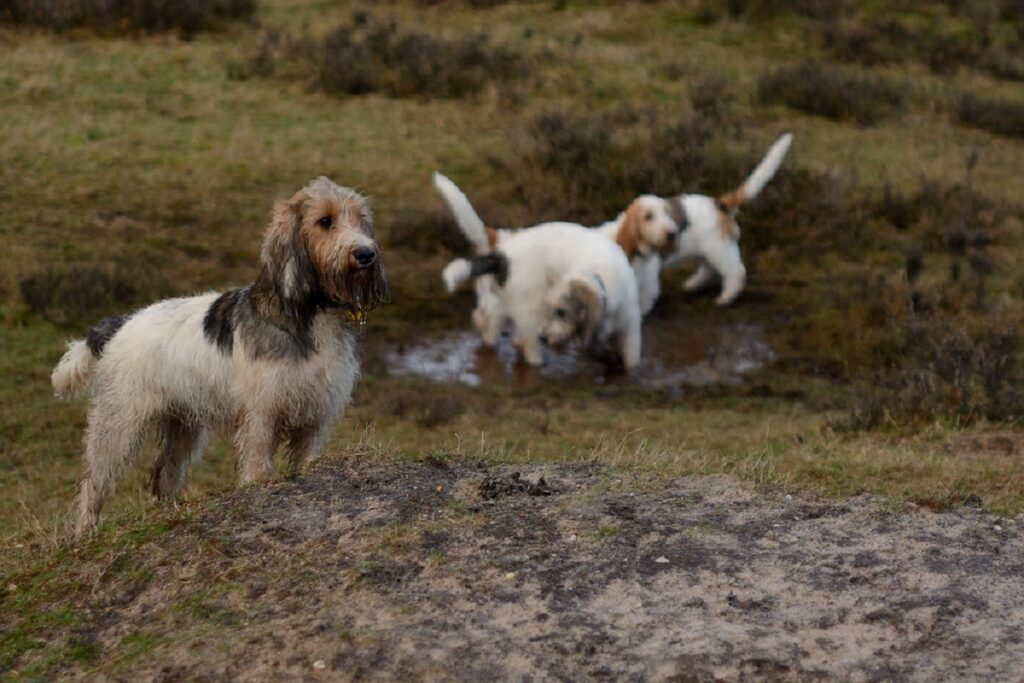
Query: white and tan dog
point(272, 360)
point(710, 233)
point(646, 230)
point(558, 281)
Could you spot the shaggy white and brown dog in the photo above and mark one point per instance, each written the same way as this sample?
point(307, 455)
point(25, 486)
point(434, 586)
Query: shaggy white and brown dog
point(274, 360)
point(560, 281)
point(646, 230)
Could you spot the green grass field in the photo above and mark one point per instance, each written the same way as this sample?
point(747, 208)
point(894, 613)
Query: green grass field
point(147, 161)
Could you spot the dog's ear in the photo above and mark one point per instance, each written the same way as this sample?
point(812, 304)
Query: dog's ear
point(587, 293)
point(628, 236)
point(284, 256)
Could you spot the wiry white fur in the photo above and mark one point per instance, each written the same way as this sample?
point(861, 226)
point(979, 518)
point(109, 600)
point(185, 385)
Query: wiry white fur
point(160, 370)
point(72, 374)
point(551, 253)
point(716, 249)
point(465, 215)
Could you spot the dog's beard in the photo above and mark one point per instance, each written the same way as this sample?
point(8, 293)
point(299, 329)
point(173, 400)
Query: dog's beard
point(360, 290)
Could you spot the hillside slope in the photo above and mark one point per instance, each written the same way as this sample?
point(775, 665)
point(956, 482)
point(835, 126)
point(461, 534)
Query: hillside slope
point(382, 569)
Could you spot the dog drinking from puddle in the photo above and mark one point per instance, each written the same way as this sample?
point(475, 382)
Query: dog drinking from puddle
point(274, 360)
point(560, 281)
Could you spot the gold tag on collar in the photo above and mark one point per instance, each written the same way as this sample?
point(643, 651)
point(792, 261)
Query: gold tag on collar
point(358, 317)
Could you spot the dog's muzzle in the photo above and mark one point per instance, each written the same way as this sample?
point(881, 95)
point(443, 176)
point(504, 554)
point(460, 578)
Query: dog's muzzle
point(364, 256)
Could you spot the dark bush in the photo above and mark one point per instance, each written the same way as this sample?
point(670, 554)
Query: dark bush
point(760, 10)
point(147, 16)
point(673, 159)
point(830, 92)
point(1002, 117)
point(945, 370)
point(1005, 64)
point(892, 41)
point(711, 98)
point(426, 231)
point(369, 55)
point(84, 294)
point(870, 44)
point(576, 151)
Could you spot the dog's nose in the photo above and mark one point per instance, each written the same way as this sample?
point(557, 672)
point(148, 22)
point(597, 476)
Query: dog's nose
point(364, 256)
point(543, 339)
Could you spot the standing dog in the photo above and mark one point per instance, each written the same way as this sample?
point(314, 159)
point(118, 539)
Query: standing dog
point(710, 233)
point(273, 359)
point(558, 281)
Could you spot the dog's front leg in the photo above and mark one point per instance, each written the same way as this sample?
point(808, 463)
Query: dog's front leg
point(255, 442)
point(303, 445)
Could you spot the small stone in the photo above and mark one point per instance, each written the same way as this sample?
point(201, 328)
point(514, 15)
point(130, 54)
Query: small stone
point(662, 560)
point(572, 539)
point(11, 587)
point(789, 497)
point(997, 527)
point(776, 525)
point(510, 575)
point(319, 664)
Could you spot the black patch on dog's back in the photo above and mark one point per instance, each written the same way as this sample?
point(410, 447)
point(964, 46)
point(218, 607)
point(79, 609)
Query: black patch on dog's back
point(102, 332)
point(494, 263)
point(219, 321)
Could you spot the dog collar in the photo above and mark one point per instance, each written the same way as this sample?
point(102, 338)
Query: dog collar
point(358, 317)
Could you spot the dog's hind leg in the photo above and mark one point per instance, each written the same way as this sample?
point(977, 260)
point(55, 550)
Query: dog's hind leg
point(727, 261)
point(255, 442)
point(702, 276)
point(180, 444)
point(112, 442)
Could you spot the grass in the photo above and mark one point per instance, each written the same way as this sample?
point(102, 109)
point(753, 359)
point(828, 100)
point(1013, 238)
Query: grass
point(150, 153)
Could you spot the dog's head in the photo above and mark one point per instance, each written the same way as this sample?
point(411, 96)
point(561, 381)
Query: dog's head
point(575, 308)
point(647, 226)
point(319, 250)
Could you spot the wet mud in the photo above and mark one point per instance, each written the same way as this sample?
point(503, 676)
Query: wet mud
point(677, 352)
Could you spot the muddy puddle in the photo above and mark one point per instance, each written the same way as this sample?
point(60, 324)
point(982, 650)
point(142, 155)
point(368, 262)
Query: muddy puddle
point(676, 354)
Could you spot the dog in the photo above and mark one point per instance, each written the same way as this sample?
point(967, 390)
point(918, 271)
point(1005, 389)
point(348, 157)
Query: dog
point(594, 295)
point(710, 233)
point(276, 359)
point(647, 230)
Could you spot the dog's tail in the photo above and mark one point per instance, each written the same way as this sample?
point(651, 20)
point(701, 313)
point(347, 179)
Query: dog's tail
point(469, 222)
point(462, 269)
point(74, 370)
point(756, 181)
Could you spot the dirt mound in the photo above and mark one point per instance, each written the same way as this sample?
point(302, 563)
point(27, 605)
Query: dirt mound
point(398, 570)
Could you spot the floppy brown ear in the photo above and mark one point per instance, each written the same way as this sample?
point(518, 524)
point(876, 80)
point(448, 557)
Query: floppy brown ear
point(586, 292)
point(628, 236)
point(284, 257)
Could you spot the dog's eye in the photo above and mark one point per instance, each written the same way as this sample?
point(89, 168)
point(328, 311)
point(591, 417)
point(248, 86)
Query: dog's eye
point(649, 215)
point(560, 312)
point(325, 222)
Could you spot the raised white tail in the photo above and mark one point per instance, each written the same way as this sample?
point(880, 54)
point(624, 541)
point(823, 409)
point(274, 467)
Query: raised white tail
point(74, 370)
point(469, 222)
point(760, 176)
